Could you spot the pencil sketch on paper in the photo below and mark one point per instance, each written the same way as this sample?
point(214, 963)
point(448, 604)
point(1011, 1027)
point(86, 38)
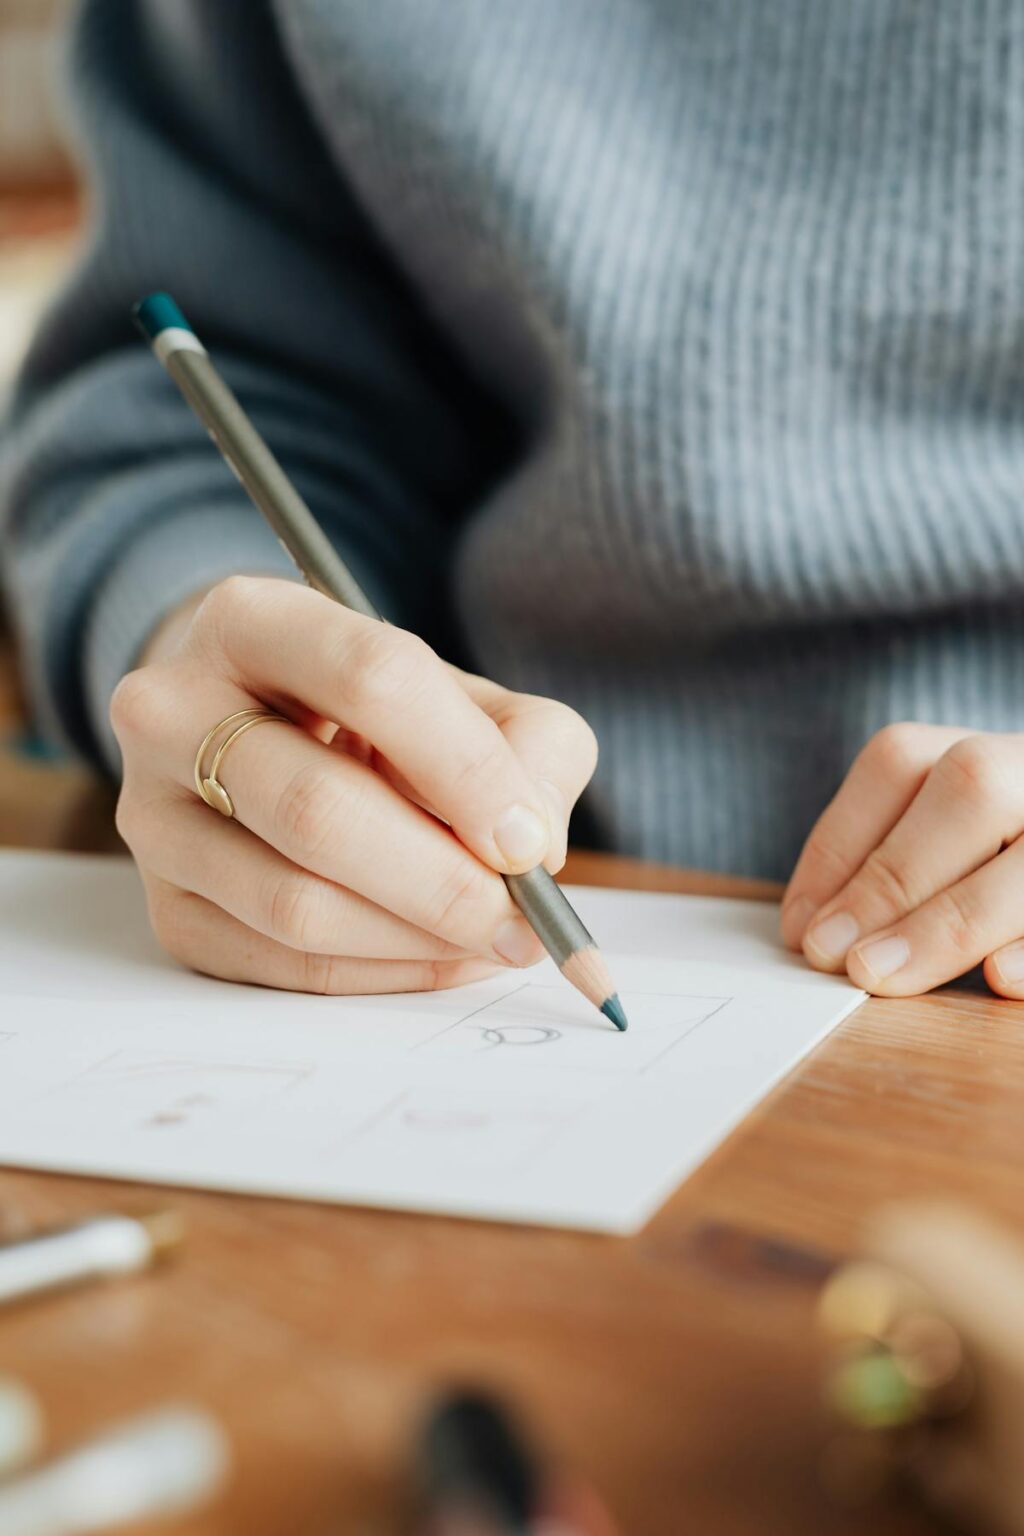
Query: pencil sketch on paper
point(574, 1035)
point(161, 1091)
point(511, 1099)
point(521, 1034)
point(438, 1127)
point(472, 1039)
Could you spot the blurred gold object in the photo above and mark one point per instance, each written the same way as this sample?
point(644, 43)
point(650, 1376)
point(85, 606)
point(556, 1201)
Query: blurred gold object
point(862, 1299)
point(166, 1230)
point(925, 1372)
point(897, 1360)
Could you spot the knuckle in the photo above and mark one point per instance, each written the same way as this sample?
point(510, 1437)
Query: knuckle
point(427, 976)
point(126, 817)
point(323, 974)
point(141, 816)
point(229, 604)
point(823, 857)
point(572, 736)
point(460, 903)
point(295, 912)
point(137, 705)
point(491, 763)
point(563, 728)
point(170, 914)
point(886, 879)
point(307, 811)
point(383, 666)
point(973, 764)
point(435, 977)
point(961, 923)
point(588, 747)
point(334, 976)
point(229, 598)
point(897, 748)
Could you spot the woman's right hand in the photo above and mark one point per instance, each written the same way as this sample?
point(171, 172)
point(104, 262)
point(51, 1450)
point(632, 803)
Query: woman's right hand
point(333, 876)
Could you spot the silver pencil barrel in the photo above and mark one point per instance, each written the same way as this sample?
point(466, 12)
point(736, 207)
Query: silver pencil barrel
point(549, 913)
point(217, 407)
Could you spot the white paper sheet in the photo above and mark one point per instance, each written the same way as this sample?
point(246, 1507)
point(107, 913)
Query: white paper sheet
point(508, 1100)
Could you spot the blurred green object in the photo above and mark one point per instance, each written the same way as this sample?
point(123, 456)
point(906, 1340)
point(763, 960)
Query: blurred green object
point(28, 744)
point(872, 1391)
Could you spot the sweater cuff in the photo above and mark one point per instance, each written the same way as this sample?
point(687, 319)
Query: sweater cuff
point(163, 566)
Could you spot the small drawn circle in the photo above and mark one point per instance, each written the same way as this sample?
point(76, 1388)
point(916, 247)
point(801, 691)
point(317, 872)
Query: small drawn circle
point(521, 1034)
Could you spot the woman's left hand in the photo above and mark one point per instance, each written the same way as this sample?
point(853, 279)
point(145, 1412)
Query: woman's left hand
point(915, 871)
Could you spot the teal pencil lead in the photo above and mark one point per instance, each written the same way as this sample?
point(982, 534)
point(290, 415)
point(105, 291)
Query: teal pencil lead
point(613, 1009)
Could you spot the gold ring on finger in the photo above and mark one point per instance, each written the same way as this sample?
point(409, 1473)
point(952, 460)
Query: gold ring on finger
point(208, 786)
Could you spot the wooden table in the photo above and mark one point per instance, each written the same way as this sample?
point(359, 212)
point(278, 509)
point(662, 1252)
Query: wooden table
point(678, 1368)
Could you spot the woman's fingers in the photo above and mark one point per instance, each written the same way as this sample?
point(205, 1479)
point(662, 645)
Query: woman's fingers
point(207, 939)
point(968, 807)
point(336, 817)
point(555, 745)
point(183, 843)
point(876, 792)
point(949, 934)
point(374, 821)
point(902, 882)
point(282, 641)
point(331, 815)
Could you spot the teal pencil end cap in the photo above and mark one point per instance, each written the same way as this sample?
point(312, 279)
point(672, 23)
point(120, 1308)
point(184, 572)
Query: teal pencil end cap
point(158, 312)
point(613, 1009)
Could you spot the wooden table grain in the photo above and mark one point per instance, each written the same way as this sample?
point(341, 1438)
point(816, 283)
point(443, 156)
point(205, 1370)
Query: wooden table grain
point(677, 1369)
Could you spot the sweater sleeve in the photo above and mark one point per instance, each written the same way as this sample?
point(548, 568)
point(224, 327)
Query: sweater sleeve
point(207, 177)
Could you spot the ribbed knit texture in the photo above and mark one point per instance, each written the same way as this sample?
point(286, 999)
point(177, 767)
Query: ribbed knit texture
point(675, 350)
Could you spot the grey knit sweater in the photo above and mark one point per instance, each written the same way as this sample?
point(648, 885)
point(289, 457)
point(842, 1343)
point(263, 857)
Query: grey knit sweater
point(663, 356)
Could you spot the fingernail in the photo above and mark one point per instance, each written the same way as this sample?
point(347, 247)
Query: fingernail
point(885, 956)
point(831, 938)
point(795, 918)
point(1010, 963)
point(521, 836)
point(516, 942)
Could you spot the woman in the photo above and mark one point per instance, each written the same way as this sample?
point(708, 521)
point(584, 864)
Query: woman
point(659, 359)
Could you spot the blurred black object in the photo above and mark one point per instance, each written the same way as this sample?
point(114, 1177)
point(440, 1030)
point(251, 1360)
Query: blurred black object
point(475, 1469)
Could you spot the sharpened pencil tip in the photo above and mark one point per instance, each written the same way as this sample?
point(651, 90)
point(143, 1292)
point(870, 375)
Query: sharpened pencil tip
point(613, 1009)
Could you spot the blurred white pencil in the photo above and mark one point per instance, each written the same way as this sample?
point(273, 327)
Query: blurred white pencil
point(89, 1250)
point(21, 1426)
point(162, 1463)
